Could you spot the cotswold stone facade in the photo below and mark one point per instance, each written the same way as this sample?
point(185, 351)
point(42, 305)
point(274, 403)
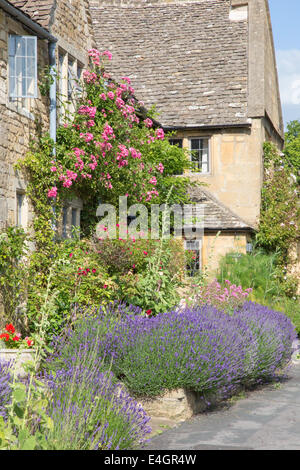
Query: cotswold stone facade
point(209, 68)
point(21, 119)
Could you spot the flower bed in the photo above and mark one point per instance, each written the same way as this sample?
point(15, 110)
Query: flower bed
point(198, 348)
point(89, 409)
point(5, 389)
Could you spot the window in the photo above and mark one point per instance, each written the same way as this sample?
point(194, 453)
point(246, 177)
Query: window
point(71, 78)
point(199, 148)
point(22, 63)
point(65, 223)
point(79, 76)
point(194, 261)
point(70, 73)
point(21, 210)
point(74, 225)
point(177, 142)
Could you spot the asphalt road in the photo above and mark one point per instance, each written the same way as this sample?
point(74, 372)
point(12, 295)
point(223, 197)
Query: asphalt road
point(265, 419)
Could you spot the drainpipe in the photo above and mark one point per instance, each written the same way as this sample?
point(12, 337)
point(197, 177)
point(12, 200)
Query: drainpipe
point(52, 114)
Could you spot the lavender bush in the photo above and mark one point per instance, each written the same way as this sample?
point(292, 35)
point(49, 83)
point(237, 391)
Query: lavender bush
point(88, 408)
point(5, 389)
point(198, 348)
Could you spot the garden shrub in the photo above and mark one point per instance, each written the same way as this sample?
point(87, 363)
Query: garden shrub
point(227, 298)
point(259, 271)
point(13, 271)
point(89, 409)
point(198, 348)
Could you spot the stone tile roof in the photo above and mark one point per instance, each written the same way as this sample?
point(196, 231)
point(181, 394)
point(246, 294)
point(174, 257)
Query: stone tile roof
point(39, 11)
point(217, 216)
point(186, 57)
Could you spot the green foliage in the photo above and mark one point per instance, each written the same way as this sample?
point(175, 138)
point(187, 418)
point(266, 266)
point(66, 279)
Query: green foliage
point(291, 308)
point(260, 271)
point(280, 213)
point(77, 280)
point(46, 79)
point(13, 271)
point(28, 423)
point(156, 288)
point(292, 147)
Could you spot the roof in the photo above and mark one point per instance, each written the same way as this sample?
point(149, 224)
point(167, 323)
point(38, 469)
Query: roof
point(39, 11)
point(186, 57)
point(217, 216)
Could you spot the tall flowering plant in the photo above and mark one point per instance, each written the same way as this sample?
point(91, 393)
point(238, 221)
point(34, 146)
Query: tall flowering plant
point(11, 339)
point(225, 298)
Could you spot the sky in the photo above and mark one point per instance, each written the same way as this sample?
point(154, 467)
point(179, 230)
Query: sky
point(285, 15)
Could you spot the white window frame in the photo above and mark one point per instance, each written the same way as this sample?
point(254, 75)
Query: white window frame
point(208, 154)
point(12, 60)
point(69, 88)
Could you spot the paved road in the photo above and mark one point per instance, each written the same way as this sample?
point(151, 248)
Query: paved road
point(266, 419)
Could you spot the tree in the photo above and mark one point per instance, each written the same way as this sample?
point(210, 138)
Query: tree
point(292, 147)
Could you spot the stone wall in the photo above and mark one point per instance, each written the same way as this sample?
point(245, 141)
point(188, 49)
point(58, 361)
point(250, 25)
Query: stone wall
point(18, 120)
point(235, 177)
point(71, 24)
point(214, 247)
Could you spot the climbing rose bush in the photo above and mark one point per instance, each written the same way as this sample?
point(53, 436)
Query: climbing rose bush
point(109, 147)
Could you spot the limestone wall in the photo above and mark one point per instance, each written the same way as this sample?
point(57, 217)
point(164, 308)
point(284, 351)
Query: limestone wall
point(214, 247)
point(235, 175)
point(21, 119)
point(18, 122)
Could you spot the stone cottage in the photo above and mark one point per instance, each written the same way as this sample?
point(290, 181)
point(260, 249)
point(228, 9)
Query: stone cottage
point(209, 68)
point(34, 35)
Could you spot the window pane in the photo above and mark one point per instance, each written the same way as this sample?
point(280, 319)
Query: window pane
point(65, 214)
point(177, 142)
point(195, 144)
point(74, 217)
point(22, 66)
point(20, 46)
point(30, 67)
point(71, 77)
point(31, 47)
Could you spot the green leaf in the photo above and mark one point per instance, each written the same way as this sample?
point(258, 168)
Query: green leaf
point(29, 444)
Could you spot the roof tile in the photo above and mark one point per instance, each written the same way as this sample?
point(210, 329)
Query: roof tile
point(187, 58)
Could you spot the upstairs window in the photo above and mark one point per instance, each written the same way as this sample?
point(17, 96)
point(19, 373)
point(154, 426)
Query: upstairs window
point(177, 142)
point(199, 148)
point(22, 51)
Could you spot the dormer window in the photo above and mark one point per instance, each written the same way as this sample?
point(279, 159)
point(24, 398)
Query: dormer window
point(22, 66)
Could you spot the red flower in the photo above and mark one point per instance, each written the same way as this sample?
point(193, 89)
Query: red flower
point(4, 336)
point(105, 286)
point(145, 252)
point(9, 327)
point(29, 341)
point(16, 338)
point(93, 270)
point(148, 312)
